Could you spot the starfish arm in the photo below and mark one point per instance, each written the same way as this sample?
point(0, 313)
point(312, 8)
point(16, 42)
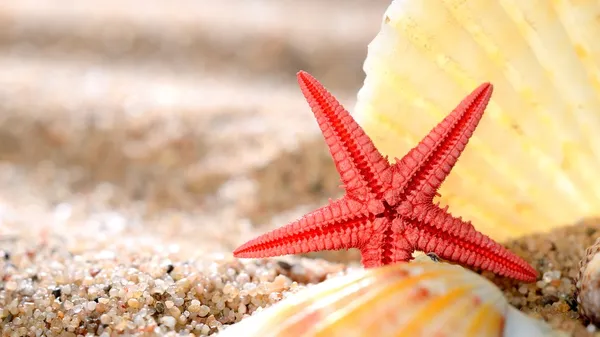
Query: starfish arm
point(419, 174)
point(362, 168)
point(341, 224)
point(435, 230)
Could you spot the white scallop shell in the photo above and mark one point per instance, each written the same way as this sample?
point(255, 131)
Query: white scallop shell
point(533, 162)
point(406, 299)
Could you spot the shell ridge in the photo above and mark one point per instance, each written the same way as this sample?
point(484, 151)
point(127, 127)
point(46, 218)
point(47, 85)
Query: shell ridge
point(497, 56)
point(420, 39)
point(539, 48)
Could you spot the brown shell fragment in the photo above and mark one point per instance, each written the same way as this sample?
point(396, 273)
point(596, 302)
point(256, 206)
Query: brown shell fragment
point(588, 284)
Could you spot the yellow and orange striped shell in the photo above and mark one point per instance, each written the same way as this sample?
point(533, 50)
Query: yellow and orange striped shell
point(405, 299)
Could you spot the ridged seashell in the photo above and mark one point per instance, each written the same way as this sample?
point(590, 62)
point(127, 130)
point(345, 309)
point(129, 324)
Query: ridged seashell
point(533, 162)
point(588, 284)
point(404, 299)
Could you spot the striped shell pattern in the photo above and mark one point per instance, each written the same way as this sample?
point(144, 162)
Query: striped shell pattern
point(420, 298)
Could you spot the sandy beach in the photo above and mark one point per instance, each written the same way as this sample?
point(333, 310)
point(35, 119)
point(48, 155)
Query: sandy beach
point(142, 141)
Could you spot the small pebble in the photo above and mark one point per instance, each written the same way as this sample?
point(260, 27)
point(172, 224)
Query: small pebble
point(523, 289)
point(91, 306)
point(550, 276)
point(133, 303)
point(168, 321)
point(549, 299)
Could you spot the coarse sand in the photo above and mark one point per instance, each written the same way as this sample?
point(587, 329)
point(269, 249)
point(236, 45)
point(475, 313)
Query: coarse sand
point(130, 287)
point(556, 256)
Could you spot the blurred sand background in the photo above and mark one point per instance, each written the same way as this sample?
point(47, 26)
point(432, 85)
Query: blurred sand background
point(169, 122)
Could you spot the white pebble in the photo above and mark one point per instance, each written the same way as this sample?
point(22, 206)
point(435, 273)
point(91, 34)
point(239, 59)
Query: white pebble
point(523, 289)
point(550, 276)
point(168, 321)
point(91, 306)
point(204, 310)
point(194, 306)
point(105, 319)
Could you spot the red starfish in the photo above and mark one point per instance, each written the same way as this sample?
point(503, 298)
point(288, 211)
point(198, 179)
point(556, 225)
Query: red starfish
point(388, 211)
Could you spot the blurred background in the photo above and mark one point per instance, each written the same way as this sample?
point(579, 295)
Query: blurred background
point(178, 123)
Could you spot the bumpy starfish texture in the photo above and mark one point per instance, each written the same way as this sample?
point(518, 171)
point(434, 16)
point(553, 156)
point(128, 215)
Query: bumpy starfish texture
point(388, 210)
